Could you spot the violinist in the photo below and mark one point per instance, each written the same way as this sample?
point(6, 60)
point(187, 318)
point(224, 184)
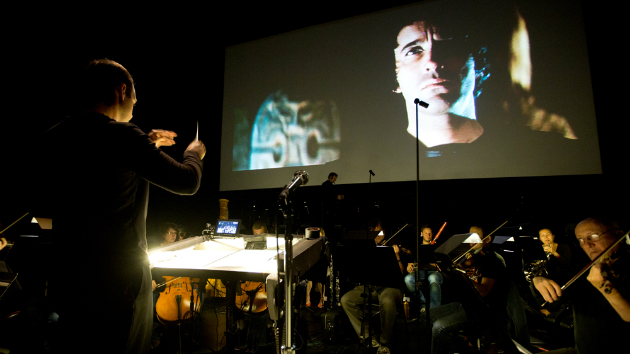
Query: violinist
point(375, 225)
point(435, 277)
point(489, 277)
point(601, 319)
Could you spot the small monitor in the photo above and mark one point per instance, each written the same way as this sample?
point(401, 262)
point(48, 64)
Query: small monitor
point(228, 228)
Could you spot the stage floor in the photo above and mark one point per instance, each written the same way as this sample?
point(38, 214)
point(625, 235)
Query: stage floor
point(254, 334)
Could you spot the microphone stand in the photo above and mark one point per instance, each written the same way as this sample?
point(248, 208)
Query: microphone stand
point(417, 271)
point(287, 211)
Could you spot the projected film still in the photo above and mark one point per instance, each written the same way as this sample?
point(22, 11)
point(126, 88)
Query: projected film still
point(498, 88)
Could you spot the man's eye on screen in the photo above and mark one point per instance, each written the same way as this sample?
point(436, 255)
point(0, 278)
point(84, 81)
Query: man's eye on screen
point(414, 51)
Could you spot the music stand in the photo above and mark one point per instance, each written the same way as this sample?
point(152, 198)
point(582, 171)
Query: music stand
point(6, 280)
point(364, 262)
point(371, 265)
point(458, 244)
point(360, 235)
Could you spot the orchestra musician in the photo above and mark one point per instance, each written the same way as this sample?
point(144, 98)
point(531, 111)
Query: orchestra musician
point(601, 319)
point(376, 225)
point(387, 298)
point(168, 233)
point(320, 288)
point(558, 264)
point(259, 228)
point(182, 233)
point(487, 271)
point(435, 277)
point(330, 198)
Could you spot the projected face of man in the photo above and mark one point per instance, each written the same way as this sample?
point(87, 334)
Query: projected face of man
point(440, 72)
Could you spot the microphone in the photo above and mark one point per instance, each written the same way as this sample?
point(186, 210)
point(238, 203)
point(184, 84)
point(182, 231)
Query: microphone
point(372, 173)
point(300, 178)
point(421, 103)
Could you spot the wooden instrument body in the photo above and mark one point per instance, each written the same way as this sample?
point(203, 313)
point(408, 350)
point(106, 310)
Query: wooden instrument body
point(173, 305)
point(259, 305)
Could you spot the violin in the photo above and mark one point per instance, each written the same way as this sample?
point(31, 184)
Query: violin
point(472, 271)
point(174, 303)
point(611, 267)
point(403, 249)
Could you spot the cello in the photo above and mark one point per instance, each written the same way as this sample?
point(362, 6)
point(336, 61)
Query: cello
point(251, 297)
point(179, 301)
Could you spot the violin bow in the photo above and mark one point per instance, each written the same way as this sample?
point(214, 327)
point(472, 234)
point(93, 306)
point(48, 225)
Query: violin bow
point(458, 259)
point(166, 282)
point(389, 239)
point(13, 223)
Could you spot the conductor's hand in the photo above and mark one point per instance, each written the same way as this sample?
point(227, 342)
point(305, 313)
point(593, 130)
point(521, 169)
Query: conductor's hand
point(198, 147)
point(162, 137)
point(549, 289)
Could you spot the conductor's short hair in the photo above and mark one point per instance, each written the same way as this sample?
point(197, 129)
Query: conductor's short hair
point(99, 81)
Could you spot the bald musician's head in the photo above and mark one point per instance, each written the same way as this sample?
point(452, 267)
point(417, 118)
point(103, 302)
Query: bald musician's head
point(597, 234)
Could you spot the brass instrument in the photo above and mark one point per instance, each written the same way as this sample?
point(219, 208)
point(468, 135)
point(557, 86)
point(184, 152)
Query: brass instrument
point(538, 268)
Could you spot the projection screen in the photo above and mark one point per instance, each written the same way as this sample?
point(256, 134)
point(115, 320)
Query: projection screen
point(508, 89)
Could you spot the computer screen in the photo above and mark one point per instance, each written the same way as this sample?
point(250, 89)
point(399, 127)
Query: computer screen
point(228, 227)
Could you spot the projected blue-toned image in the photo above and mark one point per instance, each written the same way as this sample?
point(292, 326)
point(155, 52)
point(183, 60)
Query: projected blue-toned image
point(288, 133)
